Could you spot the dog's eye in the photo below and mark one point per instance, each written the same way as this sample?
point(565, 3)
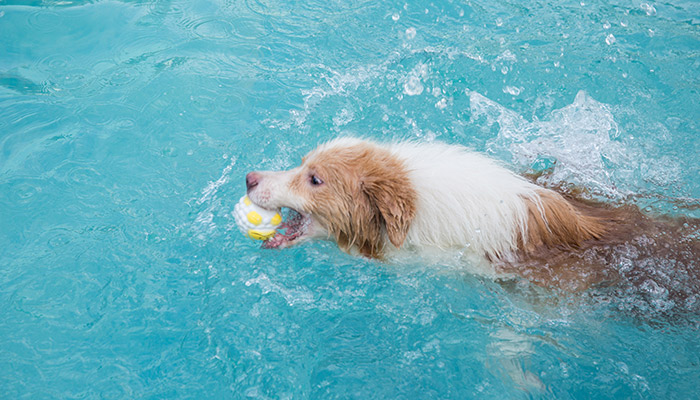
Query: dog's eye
point(315, 180)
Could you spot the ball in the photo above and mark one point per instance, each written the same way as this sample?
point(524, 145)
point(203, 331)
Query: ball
point(254, 221)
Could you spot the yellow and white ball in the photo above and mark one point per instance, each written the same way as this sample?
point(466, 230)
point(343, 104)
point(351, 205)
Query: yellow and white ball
point(256, 222)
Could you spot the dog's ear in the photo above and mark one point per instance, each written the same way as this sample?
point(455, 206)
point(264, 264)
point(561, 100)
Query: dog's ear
point(394, 200)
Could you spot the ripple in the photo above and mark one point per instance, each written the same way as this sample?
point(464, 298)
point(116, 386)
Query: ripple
point(24, 192)
point(18, 193)
point(59, 237)
point(100, 114)
point(71, 79)
point(103, 66)
point(122, 77)
point(210, 28)
point(204, 104)
point(137, 212)
point(43, 20)
point(84, 175)
point(126, 196)
point(55, 62)
point(124, 124)
point(209, 66)
point(218, 29)
point(161, 187)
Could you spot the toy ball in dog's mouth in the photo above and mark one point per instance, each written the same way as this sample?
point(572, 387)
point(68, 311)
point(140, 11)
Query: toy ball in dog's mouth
point(254, 221)
point(260, 223)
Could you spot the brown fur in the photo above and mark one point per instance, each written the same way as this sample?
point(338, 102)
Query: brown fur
point(569, 243)
point(580, 244)
point(366, 193)
point(555, 222)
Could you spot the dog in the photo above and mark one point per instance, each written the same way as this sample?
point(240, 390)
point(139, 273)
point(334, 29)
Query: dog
point(380, 200)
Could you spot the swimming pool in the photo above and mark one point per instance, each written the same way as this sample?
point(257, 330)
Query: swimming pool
point(126, 130)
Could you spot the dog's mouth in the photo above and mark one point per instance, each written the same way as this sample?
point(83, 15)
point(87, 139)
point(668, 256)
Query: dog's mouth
point(295, 226)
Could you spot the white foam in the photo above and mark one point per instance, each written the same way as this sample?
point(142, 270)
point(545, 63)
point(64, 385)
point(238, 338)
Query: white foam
point(210, 191)
point(413, 84)
point(648, 8)
point(410, 33)
point(336, 84)
point(204, 224)
point(291, 296)
point(515, 91)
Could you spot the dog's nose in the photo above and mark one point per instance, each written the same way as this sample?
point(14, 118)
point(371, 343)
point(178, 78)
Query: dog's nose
point(252, 180)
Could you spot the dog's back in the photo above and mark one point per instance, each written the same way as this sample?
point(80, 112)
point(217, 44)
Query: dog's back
point(657, 253)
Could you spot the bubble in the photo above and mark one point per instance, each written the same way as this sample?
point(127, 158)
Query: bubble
point(610, 39)
point(511, 90)
point(648, 8)
point(413, 86)
point(343, 117)
point(395, 17)
point(410, 33)
point(169, 151)
point(606, 25)
point(507, 55)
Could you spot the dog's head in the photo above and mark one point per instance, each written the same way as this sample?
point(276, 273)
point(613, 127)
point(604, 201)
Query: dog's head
point(353, 191)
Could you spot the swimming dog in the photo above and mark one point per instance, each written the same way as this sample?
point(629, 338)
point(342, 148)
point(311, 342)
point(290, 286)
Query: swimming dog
point(379, 200)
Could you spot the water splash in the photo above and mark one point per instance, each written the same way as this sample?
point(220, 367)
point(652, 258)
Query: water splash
point(413, 85)
point(204, 225)
point(209, 192)
point(292, 296)
point(335, 83)
point(578, 141)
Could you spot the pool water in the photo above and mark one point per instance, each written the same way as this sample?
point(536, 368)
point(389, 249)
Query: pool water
point(127, 128)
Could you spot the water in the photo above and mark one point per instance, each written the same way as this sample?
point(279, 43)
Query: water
point(126, 129)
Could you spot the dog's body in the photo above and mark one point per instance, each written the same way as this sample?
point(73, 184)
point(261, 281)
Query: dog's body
point(379, 200)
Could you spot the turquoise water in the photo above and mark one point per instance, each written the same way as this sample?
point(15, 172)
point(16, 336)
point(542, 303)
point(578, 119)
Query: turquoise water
point(126, 130)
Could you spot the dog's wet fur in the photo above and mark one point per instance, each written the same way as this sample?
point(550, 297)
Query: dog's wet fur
point(376, 200)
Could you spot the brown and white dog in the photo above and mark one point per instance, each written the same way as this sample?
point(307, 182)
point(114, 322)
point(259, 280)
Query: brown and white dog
point(381, 200)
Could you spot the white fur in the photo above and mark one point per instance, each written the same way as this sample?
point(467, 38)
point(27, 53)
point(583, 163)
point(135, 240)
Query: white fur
point(465, 199)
